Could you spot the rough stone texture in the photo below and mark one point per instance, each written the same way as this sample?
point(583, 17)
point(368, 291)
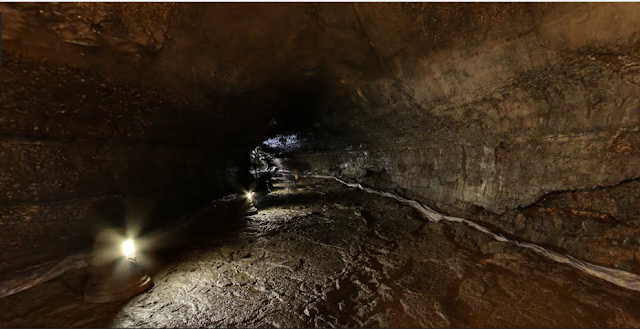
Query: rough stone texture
point(321, 255)
point(502, 123)
point(463, 106)
point(600, 225)
point(502, 120)
point(69, 139)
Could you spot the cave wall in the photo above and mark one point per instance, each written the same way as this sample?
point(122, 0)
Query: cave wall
point(477, 109)
point(547, 102)
point(502, 123)
point(106, 102)
point(120, 114)
point(76, 148)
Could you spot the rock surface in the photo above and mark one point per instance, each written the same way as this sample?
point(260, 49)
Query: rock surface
point(322, 255)
point(475, 109)
point(506, 122)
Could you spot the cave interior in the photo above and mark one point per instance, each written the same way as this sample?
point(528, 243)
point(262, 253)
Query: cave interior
point(412, 164)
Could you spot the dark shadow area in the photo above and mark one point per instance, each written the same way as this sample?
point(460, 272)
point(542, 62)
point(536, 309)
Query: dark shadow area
point(59, 302)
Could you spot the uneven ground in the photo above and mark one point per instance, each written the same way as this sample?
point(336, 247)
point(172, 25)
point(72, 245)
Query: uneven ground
point(322, 255)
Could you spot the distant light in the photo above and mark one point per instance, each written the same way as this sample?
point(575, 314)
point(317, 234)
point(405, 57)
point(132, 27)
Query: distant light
point(128, 248)
point(250, 195)
point(286, 143)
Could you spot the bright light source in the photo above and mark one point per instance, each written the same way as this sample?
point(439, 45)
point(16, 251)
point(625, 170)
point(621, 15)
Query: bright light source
point(250, 195)
point(128, 248)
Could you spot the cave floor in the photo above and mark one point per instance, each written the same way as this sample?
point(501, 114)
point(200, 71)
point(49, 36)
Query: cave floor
point(319, 254)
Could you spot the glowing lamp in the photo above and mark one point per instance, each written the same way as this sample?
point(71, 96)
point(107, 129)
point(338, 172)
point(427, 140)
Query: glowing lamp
point(128, 248)
point(252, 207)
point(114, 274)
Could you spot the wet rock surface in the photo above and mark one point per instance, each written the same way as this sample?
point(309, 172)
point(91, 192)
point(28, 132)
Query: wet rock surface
point(322, 255)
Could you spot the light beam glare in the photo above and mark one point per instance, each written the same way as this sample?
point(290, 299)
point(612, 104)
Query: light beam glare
point(128, 248)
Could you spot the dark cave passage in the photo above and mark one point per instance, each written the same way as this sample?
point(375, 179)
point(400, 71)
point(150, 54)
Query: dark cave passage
point(319, 164)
